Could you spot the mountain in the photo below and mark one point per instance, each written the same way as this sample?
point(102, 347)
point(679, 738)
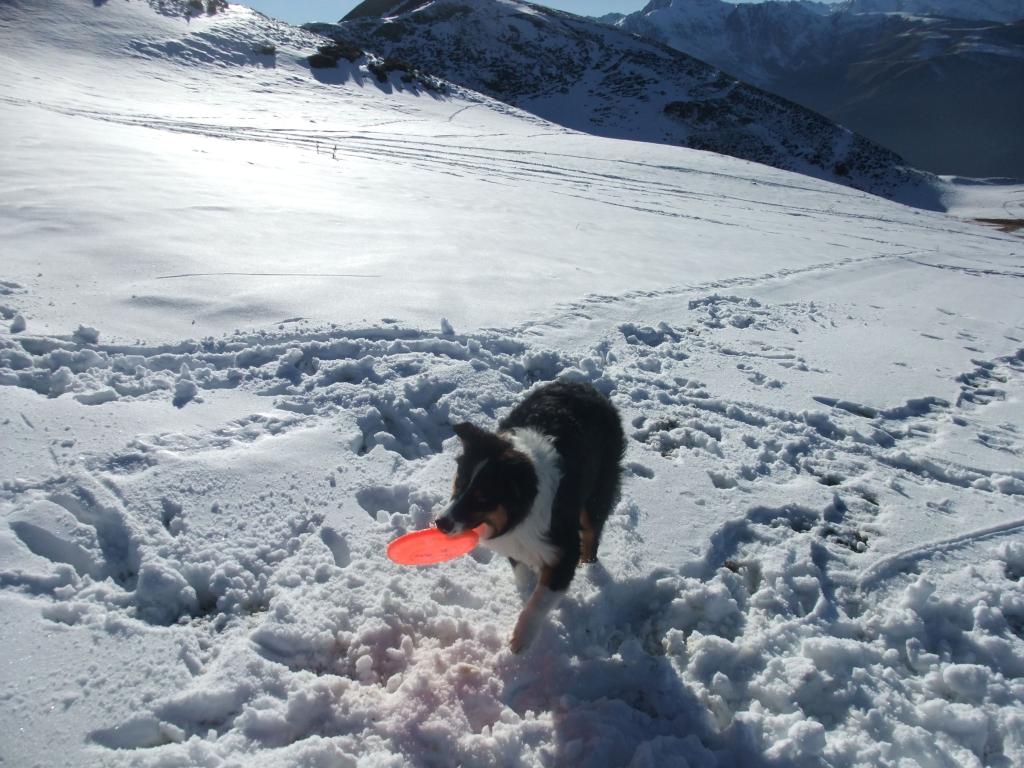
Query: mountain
point(981, 10)
point(600, 80)
point(946, 94)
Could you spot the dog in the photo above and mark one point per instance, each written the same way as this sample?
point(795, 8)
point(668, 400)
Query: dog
point(544, 485)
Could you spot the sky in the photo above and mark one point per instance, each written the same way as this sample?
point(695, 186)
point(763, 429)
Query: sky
point(301, 11)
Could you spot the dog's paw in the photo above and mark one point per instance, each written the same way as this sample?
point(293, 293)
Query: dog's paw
point(518, 643)
point(523, 634)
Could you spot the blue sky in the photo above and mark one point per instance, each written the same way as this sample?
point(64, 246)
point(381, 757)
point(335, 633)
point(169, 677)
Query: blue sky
point(301, 11)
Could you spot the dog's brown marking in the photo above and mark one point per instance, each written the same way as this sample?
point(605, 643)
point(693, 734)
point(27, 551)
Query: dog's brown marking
point(544, 578)
point(588, 540)
point(497, 519)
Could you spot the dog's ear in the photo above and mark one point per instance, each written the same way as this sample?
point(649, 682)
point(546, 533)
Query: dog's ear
point(476, 439)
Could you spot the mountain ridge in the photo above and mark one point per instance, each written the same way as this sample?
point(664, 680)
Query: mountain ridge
point(597, 79)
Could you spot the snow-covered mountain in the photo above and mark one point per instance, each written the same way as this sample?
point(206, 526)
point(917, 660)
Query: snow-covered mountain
point(243, 301)
point(980, 10)
point(589, 77)
point(946, 94)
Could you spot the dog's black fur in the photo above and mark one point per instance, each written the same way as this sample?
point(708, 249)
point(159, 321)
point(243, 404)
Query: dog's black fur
point(588, 436)
point(499, 482)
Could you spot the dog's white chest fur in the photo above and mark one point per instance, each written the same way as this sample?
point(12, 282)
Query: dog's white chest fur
point(528, 542)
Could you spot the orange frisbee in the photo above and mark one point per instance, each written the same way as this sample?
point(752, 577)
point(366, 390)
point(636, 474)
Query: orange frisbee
point(432, 546)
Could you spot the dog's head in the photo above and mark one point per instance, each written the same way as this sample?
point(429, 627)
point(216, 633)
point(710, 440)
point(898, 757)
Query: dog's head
point(494, 483)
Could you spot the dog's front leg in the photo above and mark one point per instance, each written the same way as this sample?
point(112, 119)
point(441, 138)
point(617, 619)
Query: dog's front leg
point(525, 578)
point(553, 582)
point(537, 607)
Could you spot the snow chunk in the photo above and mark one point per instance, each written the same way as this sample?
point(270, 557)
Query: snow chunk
point(105, 395)
point(163, 595)
point(86, 334)
point(185, 388)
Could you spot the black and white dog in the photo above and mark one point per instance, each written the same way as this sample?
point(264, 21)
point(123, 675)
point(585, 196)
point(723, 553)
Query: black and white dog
point(544, 484)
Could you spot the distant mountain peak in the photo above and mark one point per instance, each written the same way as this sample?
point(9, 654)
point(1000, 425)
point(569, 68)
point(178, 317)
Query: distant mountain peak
point(947, 94)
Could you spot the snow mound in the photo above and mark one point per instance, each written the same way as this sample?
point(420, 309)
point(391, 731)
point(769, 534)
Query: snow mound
point(798, 633)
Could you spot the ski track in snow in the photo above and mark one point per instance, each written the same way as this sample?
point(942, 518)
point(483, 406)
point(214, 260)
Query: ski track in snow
point(303, 644)
point(440, 154)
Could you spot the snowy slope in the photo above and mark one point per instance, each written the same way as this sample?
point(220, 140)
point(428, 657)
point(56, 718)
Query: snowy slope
point(947, 94)
point(818, 556)
point(593, 78)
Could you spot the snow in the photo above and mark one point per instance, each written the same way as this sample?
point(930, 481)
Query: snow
point(984, 198)
point(212, 428)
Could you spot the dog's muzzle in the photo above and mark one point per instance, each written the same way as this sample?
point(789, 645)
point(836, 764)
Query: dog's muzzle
point(446, 523)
